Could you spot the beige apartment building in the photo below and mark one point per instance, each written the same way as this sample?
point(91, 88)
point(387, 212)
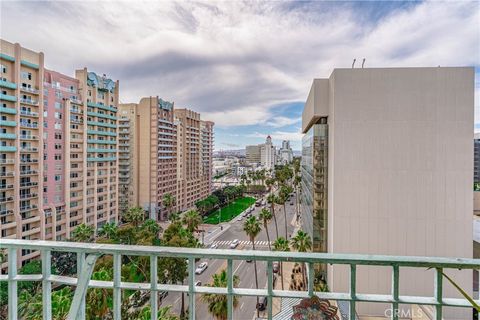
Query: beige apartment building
point(387, 163)
point(253, 154)
point(21, 131)
point(194, 162)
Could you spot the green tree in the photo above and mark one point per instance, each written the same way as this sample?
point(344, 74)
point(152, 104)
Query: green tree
point(217, 303)
point(252, 228)
point(281, 244)
point(108, 230)
point(168, 201)
point(135, 216)
point(302, 243)
point(83, 233)
point(192, 220)
point(272, 200)
point(151, 227)
point(282, 200)
point(99, 301)
point(30, 306)
point(164, 313)
point(265, 216)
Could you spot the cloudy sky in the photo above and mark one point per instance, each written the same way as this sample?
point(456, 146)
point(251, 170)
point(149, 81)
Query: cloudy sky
point(248, 66)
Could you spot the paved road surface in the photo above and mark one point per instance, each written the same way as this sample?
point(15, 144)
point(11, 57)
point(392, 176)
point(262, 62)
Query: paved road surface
point(243, 269)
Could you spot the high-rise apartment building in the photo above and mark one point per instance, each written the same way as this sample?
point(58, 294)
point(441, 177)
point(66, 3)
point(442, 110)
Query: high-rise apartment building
point(285, 153)
point(62, 109)
point(128, 156)
point(387, 169)
point(253, 154)
point(95, 196)
point(21, 131)
point(194, 160)
point(267, 154)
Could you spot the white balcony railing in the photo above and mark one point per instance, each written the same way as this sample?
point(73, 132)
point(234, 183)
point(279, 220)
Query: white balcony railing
point(88, 253)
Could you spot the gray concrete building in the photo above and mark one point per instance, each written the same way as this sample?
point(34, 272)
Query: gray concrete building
point(387, 169)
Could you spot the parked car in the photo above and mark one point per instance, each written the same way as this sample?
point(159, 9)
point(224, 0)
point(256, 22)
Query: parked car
point(291, 203)
point(249, 260)
point(234, 244)
point(201, 267)
point(262, 304)
point(213, 246)
point(198, 283)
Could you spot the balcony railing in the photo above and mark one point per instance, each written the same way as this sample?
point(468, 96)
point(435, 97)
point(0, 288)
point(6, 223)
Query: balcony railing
point(87, 254)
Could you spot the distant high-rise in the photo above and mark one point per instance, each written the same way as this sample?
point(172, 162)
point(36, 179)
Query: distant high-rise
point(253, 154)
point(267, 154)
point(387, 169)
point(285, 153)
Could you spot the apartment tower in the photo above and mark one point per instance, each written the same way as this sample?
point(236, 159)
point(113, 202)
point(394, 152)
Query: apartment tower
point(97, 160)
point(194, 161)
point(387, 169)
point(128, 136)
point(21, 131)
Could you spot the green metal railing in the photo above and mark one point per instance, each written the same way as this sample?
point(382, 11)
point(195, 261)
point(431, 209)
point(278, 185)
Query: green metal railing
point(88, 253)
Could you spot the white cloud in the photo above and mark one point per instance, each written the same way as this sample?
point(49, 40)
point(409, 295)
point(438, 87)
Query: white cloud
point(280, 121)
point(234, 61)
point(278, 136)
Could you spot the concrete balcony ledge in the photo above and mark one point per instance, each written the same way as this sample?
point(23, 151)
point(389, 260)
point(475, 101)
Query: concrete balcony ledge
point(8, 84)
point(8, 97)
point(88, 253)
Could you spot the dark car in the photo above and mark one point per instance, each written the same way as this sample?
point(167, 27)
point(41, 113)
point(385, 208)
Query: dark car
point(262, 304)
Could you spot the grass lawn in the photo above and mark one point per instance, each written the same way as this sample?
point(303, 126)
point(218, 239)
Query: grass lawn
point(231, 211)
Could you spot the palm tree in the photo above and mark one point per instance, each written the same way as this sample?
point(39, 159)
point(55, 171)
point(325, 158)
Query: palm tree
point(168, 201)
point(281, 244)
point(302, 243)
point(108, 230)
point(281, 200)
point(252, 228)
point(151, 226)
point(296, 182)
point(266, 216)
point(174, 217)
point(134, 216)
point(83, 233)
point(217, 303)
point(272, 199)
point(192, 220)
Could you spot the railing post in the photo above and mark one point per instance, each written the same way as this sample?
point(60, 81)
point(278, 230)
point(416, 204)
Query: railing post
point(230, 289)
point(12, 284)
point(395, 292)
point(82, 285)
point(353, 290)
point(270, 289)
point(191, 288)
point(311, 276)
point(46, 285)
point(438, 285)
point(117, 291)
point(80, 263)
point(154, 287)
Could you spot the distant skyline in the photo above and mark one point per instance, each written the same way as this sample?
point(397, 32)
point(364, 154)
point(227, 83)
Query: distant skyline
point(247, 66)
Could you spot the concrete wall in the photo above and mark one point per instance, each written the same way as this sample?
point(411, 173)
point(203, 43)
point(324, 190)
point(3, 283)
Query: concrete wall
point(400, 173)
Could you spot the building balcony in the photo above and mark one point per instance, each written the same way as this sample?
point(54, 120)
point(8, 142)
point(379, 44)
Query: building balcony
point(29, 113)
point(6, 186)
point(101, 150)
point(31, 125)
point(4, 212)
point(7, 174)
point(8, 97)
point(30, 90)
point(28, 208)
point(124, 156)
point(10, 136)
point(29, 101)
point(102, 106)
point(88, 254)
point(75, 110)
point(102, 159)
point(26, 160)
point(102, 133)
point(28, 172)
point(8, 148)
point(8, 84)
point(7, 161)
point(76, 101)
point(6, 199)
point(101, 141)
point(8, 110)
point(7, 123)
point(101, 115)
point(28, 184)
point(26, 196)
point(102, 124)
point(124, 125)
point(28, 137)
point(28, 149)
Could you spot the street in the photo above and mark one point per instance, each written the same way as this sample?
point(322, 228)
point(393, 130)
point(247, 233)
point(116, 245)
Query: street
point(244, 270)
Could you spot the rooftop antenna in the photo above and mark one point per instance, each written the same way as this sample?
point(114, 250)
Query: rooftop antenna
point(353, 64)
point(363, 62)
